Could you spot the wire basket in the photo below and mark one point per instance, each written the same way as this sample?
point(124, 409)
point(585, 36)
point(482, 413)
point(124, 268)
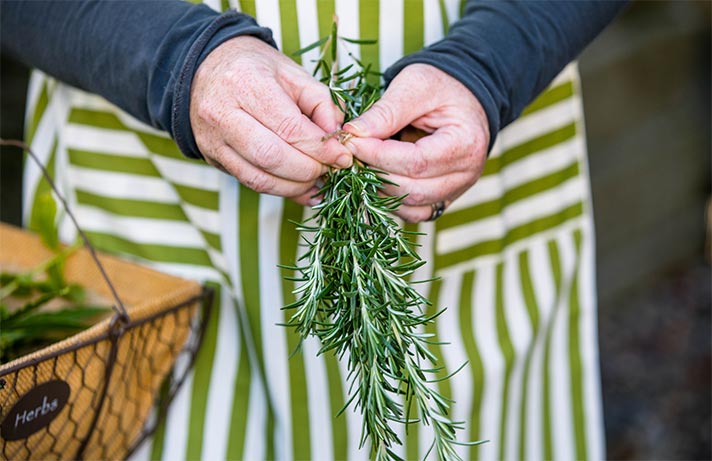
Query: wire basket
point(100, 393)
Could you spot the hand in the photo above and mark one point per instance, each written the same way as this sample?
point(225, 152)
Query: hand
point(441, 165)
point(260, 117)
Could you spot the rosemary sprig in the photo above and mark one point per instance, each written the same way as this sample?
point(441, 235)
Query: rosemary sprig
point(353, 292)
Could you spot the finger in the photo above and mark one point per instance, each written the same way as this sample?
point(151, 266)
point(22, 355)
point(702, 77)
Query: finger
point(431, 156)
point(393, 112)
point(226, 159)
point(422, 192)
point(309, 198)
point(414, 214)
point(277, 111)
point(314, 100)
point(266, 151)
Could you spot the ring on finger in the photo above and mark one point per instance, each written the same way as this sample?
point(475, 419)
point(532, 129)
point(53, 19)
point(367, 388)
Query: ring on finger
point(437, 210)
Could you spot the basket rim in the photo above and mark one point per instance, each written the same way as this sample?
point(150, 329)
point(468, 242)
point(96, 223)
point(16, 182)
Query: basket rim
point(94, 334)
point(183, 292)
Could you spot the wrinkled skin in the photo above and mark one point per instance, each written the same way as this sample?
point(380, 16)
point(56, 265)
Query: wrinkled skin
point(449, 157)
point(260, 117)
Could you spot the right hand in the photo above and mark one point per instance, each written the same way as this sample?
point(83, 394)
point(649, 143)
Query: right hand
point(260, 117)
point(435, 168)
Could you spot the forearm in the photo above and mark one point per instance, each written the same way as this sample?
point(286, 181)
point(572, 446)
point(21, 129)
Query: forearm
point(507, 52)
point(140, 55)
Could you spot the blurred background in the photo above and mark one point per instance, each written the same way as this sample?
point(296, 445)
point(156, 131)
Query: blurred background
point(646, 87)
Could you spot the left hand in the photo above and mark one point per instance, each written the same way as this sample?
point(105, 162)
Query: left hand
point(441, 165)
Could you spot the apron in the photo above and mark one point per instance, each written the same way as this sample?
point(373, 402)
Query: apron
point(514, 257)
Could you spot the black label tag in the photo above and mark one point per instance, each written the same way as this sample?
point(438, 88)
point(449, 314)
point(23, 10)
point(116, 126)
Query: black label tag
point(35, 410)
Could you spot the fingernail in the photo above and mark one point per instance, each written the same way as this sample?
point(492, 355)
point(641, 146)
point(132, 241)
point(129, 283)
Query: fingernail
point(344, 161)
point(314, 201)
point(356, 127)
point(351, 147)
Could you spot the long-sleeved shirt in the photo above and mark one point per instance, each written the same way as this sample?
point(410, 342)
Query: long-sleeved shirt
point(142, 55)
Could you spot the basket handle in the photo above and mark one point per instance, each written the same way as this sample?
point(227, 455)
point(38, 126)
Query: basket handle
point(122, 317)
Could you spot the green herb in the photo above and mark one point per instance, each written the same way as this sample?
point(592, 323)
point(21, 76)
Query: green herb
point(32, 325)
point(353, 293)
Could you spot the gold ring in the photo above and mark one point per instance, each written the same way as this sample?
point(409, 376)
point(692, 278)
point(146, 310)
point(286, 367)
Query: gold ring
point(438, 209)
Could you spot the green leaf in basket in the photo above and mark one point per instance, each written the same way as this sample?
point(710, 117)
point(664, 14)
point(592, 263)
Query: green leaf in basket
point(18, 285)
point(30, 307)
point(21, 334)
point(69, 320)
point(44, 220)
point(55, 274)
point(75, 294)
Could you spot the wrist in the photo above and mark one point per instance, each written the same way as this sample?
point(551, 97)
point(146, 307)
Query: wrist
point(223, 28)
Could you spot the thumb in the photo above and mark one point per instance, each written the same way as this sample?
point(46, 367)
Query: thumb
point(393, 112)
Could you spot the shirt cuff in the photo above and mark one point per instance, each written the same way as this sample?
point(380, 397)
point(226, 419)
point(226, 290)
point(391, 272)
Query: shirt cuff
point(224, 27)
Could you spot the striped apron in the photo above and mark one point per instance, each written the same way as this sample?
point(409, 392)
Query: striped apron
point(514, 258)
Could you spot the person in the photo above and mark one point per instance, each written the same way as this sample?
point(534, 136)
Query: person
point(155, 94)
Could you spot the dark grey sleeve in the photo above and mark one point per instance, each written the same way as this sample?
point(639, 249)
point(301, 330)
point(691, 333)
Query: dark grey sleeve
point(507, 52)
point(140, 55)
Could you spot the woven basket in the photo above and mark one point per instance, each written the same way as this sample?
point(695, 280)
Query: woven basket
point(90, 396)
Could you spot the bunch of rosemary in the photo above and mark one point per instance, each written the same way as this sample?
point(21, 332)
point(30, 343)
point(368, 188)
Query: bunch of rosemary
point(353, 292)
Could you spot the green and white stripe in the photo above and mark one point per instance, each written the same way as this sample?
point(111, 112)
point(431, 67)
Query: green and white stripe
point(514, 256)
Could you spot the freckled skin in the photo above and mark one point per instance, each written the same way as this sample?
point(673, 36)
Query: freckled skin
point(442, 144)
point(260, 117)
point(263, 119)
